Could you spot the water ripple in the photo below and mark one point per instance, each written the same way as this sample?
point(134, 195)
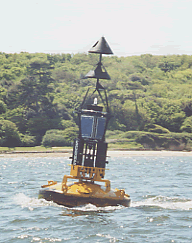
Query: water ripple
point(161, 207)
point(165, 202)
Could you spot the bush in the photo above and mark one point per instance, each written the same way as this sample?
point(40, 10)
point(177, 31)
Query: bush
point(58, 138)
point(112, 134)
point(27, 140)
point(187, 125)
point(68, 124)
point(131, 134)
point(9, 135)
point(54, 140)
point(146, 139)
point(156, 129)
point(70, 134)
point(170, 141)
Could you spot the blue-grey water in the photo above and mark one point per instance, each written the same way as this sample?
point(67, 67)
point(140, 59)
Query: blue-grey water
point(161, 208)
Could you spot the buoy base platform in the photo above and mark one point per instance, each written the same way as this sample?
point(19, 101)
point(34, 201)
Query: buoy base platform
point(83, 192)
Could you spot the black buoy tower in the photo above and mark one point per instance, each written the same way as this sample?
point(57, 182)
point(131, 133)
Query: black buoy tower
point(90, 148)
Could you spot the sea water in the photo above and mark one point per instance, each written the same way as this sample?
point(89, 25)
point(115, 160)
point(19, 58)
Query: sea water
point(161, 207)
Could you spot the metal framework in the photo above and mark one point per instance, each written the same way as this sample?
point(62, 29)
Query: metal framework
point(90, 149)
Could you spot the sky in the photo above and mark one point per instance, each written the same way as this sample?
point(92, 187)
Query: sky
point(72, 26)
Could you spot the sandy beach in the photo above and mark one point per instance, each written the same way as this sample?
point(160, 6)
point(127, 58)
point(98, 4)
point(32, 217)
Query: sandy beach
point(112, 153)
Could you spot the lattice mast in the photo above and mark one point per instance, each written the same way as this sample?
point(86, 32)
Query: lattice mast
point(90, 148)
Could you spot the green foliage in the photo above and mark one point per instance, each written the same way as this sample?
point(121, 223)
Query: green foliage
point(151, 140)
point(17, 116)
point(9, 136)
point(27, 140)
point(68, 124)
point(113, 134)
point(39, 92)
point(156, 128)
point(3, 107)
point(187, 125)
point(38, 125)
point(169, 63)
point(53, 140)
point(59, 138)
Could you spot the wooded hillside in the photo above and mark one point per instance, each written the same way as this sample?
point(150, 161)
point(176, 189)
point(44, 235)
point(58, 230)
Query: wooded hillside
point(39, 92)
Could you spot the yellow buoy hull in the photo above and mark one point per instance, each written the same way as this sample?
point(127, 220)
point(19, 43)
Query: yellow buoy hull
point(84, 192)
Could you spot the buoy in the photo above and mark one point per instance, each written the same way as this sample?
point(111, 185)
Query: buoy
point(89, 151)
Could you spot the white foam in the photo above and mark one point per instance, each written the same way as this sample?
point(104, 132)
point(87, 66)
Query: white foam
point(112, 239)
point(165, 202)
point(31, 203)
point(91, 207)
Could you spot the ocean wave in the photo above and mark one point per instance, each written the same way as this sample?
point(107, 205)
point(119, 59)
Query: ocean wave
point(91, 207)
point(174, 203)
point(32, 202)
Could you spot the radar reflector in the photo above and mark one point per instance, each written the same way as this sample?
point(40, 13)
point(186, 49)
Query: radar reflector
point(101, 47)
point(98, 73)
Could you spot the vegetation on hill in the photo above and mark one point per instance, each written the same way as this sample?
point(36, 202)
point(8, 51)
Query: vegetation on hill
point(150, 98)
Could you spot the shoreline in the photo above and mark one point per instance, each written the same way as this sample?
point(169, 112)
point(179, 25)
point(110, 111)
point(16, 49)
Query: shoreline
point(110, 153)
point(162, 153)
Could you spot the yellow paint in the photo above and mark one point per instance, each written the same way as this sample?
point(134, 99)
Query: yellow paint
point(87, 173)
point(86, 187)
point(50, 183)
point(91, 174)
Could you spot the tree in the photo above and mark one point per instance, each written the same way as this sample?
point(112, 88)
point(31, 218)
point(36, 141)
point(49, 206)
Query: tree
point(38, 125)
point(33, 93)
point(169, 63)
point(171, 118)
point(187, 125)
point(3, 107)
point(9, 136)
